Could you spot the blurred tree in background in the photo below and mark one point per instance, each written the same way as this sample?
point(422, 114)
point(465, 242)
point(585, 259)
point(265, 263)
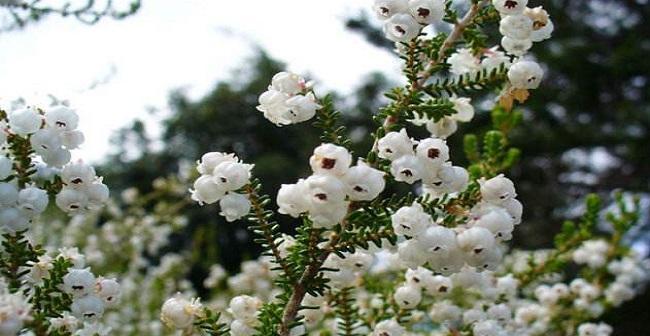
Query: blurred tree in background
point(586, 131)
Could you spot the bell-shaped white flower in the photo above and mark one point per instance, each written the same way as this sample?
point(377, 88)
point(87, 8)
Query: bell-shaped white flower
point(364, 183)
point(411, 254)
point(401, 28)
point(497, 190)
point(211, 160)
point(234, 206)
point(61, 118)
point(179, 312)
point(442, 128)
point(394, 145)
point(388, 328)
point(411, 220)
point(408, 169)
point(330, 159)
point(463, 61)
point(292, 199)
point(407, 296)
point(516, 47)
point(8, 194)
point(33, 200)
point(287, 82)
point(301, 108)
point(245, 308)
point(328, 215)
point(433, 151)
point(79, 282)
point(273, 104)
point(231, 176)
point(427, 11)
point(518, 27)
point(25, 121)
point(384, 9)
point(109, 290)
point(463, 107)
point(87, 308)
point(510, 7)
point(206, 191)
point(324, 190)
point(525, 75)
point(78, 174)
point(476, 241)
point(71, 200)
point(6, 167)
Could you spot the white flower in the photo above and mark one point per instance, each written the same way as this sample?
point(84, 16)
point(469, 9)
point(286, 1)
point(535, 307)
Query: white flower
point(206, 191)
point(516, 47)
point(6, 167)
point(410, 220)
point(619, 292)
point(364, 183)
point(401, 28)
point(72, 139)
point(25, 121)
point(40, 268)
point(447, 179)
point(79, 282)
point(33, 200)
point(61, 118)
point(273, 104)
point(97, 194)
point(13, 220)
point(407, 169)
point(78, 174)
point(434, 151)
point(359, 261)
point(407, 296)
point(72, 254)
point(387, 8)
point(388, 328)
point(234, 206)
point(239, 328)
point(301, 108)
point(592, 329)
point(438, 285)
point(438, 241)
point(476, 241)
point(46, 140)
point(108, 290)
point(411, 254)
point(495, 219)
point(287, 82)
point(510, 7)
point(525, 75)
point(487, 328)
point(542, 24)
point(518, 27)
point(418, 277)
point(592, 252)
point(57, 157)
point(394, 145)
point(245, 308)
point(330, 159)
point(324, 190)
point(497, 190)
point(292, 199)
point(71, 200)
point(328, 215)
point(427, 11)
point(445, 311)
point(515, 209)
point(211, 160)
point(463, 61)
point(443, 128)
point(179, 313)
point(494, 58)
point(463, 107)
point(88, 308)
point(230, 176)
point(8, 194)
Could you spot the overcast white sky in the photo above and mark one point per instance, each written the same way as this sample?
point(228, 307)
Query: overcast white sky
point(178, 44)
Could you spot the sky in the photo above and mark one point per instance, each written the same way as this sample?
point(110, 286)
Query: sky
point(115, 71)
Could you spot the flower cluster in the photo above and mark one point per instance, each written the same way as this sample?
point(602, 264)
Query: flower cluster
point(221, 176)
point(288, 100)
point(82, 189)
point(404, 19)
point(426, 160)
point(475, 243)
point(521, 26)
point(326, 194)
